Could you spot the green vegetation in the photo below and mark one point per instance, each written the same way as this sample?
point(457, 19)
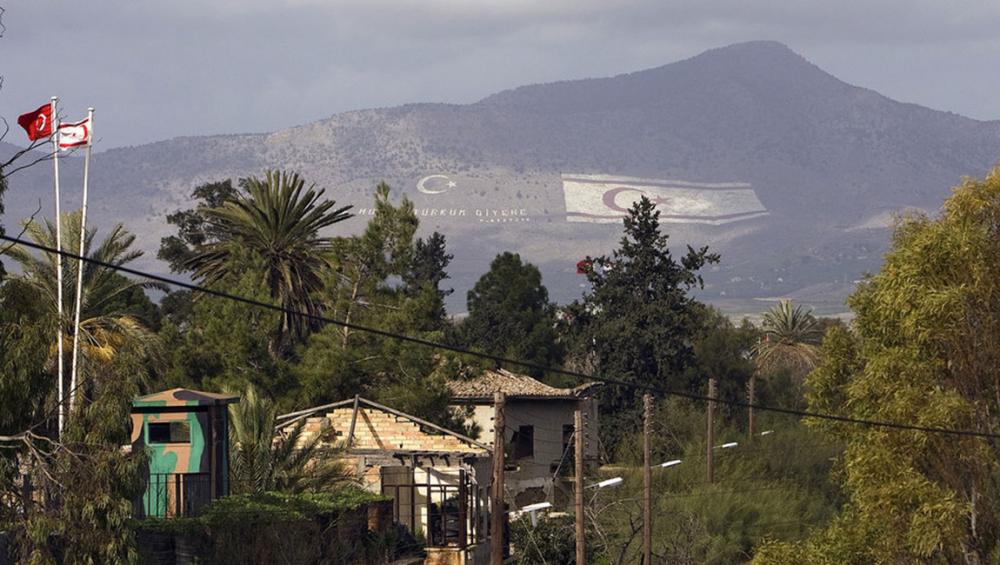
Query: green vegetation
point(275, 527)
point(924, 349)
point(261, 462)
point(510, 314)
point(637, 323)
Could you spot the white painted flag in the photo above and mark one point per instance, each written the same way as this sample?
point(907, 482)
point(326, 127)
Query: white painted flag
point(74, 135)
point(605, 199)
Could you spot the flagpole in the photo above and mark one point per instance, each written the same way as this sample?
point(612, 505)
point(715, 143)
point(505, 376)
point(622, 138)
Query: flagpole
point(58, 258)
point(79, 268)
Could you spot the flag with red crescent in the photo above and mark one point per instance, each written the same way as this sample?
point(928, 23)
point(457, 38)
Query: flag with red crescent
point(38, 123)
point(74, 135)
point(604, 199)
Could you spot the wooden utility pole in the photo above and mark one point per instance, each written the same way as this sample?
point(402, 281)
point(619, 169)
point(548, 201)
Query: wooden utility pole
point(581, 551)
point(496, 502)
point(711, 429)
point(751, 400)
point(647, 480)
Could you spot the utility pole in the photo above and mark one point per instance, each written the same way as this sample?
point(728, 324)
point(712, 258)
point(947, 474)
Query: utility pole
point(751, 400)
point(581, 551)
point(647, 481)
point(711, 429)
point(497, 504)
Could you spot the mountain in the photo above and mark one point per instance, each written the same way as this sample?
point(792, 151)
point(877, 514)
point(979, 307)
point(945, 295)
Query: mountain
point(790, 173)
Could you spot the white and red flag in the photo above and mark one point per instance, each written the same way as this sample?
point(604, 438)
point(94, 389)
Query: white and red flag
point(603, 198)
point(74, 135)
point(37, 124)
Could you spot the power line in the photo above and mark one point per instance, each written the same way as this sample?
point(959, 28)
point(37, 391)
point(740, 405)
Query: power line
point(498, 358)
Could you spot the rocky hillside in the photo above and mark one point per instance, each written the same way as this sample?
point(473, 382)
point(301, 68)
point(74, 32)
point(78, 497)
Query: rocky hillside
point(753, 127)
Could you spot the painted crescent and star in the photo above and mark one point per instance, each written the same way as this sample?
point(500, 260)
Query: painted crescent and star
point(422, 184)
point(610, 196)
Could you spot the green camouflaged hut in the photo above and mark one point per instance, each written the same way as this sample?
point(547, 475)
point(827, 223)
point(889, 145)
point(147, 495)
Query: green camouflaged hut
point(186, 436)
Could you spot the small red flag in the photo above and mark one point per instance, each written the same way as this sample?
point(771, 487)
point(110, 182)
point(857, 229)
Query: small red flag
point(37, 124)
point(583, 267)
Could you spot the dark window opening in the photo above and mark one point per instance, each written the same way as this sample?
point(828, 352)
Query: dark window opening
point(524, 442)
point(170, 432)
point(568, 458)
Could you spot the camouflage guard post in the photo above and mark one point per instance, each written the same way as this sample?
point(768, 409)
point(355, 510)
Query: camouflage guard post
point(186, 435)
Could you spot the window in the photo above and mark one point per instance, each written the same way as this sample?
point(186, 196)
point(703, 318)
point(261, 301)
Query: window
point(524, 442)
point(169, 432)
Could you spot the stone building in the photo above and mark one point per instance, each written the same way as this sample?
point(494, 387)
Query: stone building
point(539, 429)
point(438, 479)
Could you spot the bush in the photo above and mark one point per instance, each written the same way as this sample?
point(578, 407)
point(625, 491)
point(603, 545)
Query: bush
point(280, 528)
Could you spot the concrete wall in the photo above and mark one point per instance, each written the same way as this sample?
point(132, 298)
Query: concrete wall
point(532, 480)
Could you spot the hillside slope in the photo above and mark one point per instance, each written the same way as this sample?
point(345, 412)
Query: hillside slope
point(788, 171)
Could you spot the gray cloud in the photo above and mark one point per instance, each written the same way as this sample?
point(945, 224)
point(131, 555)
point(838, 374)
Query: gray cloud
point(186, 67)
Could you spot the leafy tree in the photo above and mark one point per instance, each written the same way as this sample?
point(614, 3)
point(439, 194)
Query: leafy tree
point(25, 339)
point(88, 480)
point(638, 321)
point(107, 330)
point(791, 339)
point(363, 265)
point(721, 350)
point(259, 461)
point(363, 288)
point(278, 219)
point(194, 228)
point(510, 314)
point(427, 270)
point(428, 264)
point(926, 351)
point(223, 343)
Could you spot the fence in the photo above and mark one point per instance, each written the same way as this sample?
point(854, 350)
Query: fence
point(173, 494)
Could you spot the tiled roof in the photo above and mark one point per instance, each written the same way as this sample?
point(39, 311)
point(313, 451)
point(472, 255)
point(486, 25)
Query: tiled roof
point(512, 385)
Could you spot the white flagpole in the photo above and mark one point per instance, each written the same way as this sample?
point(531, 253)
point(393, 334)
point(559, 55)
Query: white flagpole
point(59, 287)
point(79, 268)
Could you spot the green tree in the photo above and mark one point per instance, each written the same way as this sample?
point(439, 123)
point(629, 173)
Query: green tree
point(223, 343)
point(427, 269)
point(194, 228)
point(89, 481)
point(107, 329)
point(926, 351)
point(278, 219)
point(510, 314)
point(363, 288)
point(791, 339)
point(263, 460)
point(363, 265)
point(639, 321)
point(722, 350)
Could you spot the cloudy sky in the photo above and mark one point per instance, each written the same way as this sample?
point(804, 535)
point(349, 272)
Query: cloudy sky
point(156, 70)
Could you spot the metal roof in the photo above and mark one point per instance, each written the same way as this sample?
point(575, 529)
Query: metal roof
point(184, 397)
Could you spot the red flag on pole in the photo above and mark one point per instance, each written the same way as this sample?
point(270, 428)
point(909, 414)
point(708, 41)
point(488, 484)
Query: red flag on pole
point(37, 124)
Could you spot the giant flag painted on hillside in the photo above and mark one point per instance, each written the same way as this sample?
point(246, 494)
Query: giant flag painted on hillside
point(603, 198)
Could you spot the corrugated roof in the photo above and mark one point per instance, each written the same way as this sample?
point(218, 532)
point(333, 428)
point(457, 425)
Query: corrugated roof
point(379, 427)
point(513, 385)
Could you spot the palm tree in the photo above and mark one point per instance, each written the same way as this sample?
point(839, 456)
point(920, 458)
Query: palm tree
point(791, 339)
point(262, 461)
point(106, 330)
point(279, 220)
